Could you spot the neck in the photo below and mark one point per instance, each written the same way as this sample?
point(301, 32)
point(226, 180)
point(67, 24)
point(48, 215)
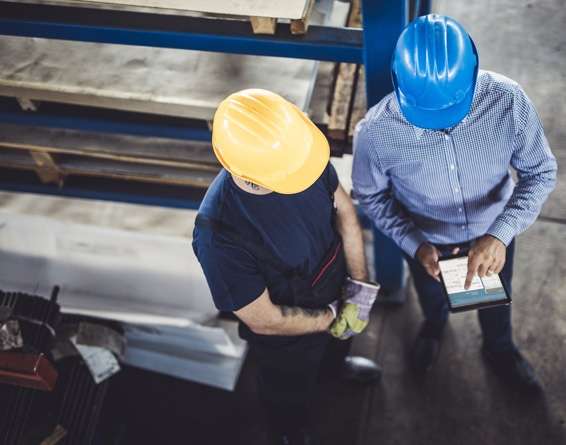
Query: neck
point(250, 187)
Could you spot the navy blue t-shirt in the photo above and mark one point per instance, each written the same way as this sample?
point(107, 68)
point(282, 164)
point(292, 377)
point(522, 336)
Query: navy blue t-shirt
point(296, 229)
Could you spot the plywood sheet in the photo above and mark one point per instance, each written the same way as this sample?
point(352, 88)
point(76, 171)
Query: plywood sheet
point(288, 9)
point(161, 81)
point(112, 146)
point(71, 165)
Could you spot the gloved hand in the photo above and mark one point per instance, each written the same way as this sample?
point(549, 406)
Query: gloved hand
point(353, 315)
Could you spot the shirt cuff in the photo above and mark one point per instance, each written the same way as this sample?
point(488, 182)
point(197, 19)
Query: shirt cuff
point(411, 243)
point(502, 231)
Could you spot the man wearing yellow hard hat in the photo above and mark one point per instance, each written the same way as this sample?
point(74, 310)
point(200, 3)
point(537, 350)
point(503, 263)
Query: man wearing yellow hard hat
point(280, 245)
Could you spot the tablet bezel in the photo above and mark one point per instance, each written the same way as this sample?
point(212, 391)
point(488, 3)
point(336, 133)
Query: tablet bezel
point(481, 305)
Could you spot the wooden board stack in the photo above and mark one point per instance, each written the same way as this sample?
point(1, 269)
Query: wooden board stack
point(262, 14)
point(56, 154)
point(152, 81)
point(348, 104)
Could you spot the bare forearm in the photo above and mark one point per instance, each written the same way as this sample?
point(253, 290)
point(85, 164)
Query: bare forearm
point(265, 318)
point(350, 229)
point(352, 237)
point(296, 320)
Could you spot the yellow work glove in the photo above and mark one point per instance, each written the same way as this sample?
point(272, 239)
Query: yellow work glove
point(353, 316)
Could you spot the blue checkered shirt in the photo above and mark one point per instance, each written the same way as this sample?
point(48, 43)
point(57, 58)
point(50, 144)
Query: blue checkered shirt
point(455, 185)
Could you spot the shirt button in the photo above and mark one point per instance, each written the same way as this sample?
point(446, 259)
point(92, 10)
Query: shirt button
point(460, 210)
point(452, 167)
point(447, 137)
point(456, 189)
point(463, 227)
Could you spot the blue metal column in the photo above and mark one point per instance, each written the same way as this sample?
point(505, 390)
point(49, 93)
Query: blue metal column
point(422, 7)
point(383, 21)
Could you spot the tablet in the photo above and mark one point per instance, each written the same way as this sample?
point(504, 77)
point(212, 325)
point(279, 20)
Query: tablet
point(483, 292)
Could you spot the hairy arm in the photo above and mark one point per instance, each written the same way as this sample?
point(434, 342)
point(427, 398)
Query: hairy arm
point(349, 228)
point(265, 318)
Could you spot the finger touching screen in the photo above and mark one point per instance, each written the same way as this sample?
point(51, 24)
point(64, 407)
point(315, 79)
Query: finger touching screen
point(482, 290)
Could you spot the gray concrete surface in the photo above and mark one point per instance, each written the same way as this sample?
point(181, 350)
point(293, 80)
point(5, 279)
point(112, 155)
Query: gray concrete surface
point(461, 401)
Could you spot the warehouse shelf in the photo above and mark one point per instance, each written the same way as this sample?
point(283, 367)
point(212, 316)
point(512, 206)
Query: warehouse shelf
point(165, 31)
point(104, 189)
point(382, 22)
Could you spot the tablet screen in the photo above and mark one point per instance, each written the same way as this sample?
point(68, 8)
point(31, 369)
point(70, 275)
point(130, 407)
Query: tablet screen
point(483, 290)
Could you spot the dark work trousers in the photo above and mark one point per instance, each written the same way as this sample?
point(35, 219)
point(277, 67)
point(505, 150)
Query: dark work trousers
point(495, 322)
point(288, 374)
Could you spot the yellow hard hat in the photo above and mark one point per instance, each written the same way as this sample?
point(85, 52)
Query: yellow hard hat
point(261, 137)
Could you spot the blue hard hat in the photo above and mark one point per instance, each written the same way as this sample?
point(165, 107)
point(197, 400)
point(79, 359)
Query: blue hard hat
point(434, 70)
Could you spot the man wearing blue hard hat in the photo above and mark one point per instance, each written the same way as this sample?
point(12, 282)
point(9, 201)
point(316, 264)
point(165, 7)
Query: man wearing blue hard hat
point(432, 169)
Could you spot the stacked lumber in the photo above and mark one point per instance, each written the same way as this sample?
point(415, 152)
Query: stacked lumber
point(161, 81)
point(262, 14)
point(348, 104)
point(153, 81)
point(56, 154)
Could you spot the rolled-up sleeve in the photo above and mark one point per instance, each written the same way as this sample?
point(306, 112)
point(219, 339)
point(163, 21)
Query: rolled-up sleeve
point(372, 188)
point(536, 169)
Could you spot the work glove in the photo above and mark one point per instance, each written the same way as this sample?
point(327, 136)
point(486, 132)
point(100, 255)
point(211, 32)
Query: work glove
point(353, 315)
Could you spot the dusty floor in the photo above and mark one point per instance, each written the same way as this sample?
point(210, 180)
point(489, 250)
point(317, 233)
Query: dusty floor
point(460, 402)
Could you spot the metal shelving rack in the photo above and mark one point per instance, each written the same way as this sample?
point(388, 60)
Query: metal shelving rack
point(383, 21)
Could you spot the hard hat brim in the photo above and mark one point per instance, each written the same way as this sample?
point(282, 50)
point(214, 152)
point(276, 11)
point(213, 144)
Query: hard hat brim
point(313, 166)
point(436, 119)
point(301, 179)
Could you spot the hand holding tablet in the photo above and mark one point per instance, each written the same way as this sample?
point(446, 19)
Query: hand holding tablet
point(482, 292)
point(486, 256)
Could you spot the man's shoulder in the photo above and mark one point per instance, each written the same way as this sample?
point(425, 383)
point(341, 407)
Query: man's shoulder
point(381, 120)
point(212, 205)
point(498, 83)
point(383, 110)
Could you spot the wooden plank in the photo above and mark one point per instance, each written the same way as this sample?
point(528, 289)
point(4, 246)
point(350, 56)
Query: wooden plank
point(263, 25)
point(288, 9)
point(16, 159)
point(359, 108)
point(42, 155)
point(129, 171)
point(160, 81)
point(70, 165)
point(263, 14)
point(300, 26)
point(114, 146)
point(46, 168)
point(344, 87)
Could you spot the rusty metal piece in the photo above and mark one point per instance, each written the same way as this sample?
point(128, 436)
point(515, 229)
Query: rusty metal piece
point(27, 370)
